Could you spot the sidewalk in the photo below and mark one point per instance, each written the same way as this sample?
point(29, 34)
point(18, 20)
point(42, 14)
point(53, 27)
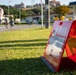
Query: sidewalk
point(16, 27)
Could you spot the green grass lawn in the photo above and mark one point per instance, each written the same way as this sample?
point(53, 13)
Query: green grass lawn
point(21, 51)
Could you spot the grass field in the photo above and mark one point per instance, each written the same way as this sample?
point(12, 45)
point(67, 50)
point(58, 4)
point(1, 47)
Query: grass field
point(21, 51)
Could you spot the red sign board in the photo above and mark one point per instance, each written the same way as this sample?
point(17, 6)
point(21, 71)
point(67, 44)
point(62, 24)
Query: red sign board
point(56, 44)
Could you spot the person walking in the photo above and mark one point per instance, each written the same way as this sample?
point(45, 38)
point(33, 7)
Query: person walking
point(0, 21)
point(6, 22)
point(11, 23)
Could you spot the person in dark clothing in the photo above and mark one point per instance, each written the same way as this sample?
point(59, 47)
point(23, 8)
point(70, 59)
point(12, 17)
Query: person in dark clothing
point(0, 21)
point(11, 23)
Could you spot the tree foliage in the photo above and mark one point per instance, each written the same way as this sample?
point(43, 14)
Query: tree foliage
point(36, 10)
point(17, 12)
point(61, 10)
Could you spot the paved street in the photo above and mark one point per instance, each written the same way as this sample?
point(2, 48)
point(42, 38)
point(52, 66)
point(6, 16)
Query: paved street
point(3, 28)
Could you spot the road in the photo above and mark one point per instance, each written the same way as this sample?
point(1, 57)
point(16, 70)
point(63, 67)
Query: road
point(17, 27)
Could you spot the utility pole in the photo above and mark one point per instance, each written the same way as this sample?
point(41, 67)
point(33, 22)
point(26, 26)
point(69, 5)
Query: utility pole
point(8, 8)
point(42, 13)
point(20, 13)
point(47, 14)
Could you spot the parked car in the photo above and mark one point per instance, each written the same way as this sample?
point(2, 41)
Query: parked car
point(28, 21)
point(35, 21)
point(23, 21)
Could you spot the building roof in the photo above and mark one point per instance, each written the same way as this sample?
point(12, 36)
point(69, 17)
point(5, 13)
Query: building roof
point(70, 13)
point(72, 3)
point(54, 3)
point(22, 5)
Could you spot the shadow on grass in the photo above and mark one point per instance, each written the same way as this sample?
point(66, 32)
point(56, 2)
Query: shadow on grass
point(67, 64)
point(35, 40)
point(24, 48)
point(24, 43)
point(34, 66)
point(29, 66)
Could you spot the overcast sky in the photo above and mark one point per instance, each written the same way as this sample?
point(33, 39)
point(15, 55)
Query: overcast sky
point(29, 2)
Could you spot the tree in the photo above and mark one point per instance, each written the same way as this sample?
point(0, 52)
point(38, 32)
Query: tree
point(61, 10)
point(36, 10)
point(24, 14)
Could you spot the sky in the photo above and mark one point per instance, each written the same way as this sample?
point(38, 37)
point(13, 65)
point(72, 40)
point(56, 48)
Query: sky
point(30, 2)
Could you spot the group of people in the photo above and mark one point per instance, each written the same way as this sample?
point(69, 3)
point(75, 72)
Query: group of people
point(9, 22)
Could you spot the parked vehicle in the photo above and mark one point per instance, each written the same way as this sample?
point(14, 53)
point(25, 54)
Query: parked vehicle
point(28, 21)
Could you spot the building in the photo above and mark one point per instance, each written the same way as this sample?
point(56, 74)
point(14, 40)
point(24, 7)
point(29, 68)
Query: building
point(54, 3)
point(72, 3)
point(22, 5)
point(72, 7)
point(37, 5)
